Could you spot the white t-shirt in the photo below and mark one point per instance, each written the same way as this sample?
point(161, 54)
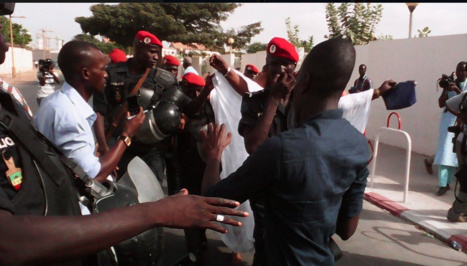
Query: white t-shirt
point(49, 86)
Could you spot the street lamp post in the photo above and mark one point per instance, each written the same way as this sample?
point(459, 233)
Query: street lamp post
point(230, 41)
point(13, 68)
point(411, 7)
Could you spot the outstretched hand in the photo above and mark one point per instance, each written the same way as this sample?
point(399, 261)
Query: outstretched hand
point(386, 86)
point(215, 141)
point(191, 211)
point(217, 62)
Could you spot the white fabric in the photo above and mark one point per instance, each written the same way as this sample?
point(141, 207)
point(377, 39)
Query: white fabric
point(356, 108)
point(49, 86)
point(226, 103)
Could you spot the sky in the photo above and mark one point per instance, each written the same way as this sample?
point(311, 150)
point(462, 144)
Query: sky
point(441, 18)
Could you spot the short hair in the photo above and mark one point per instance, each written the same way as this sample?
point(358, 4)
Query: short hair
point(73, 56)
point(329, 65)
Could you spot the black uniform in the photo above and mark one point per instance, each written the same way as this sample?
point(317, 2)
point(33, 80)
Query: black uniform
point(187, 153)
point(44, 186)
point(119, 84)
point(252, 108)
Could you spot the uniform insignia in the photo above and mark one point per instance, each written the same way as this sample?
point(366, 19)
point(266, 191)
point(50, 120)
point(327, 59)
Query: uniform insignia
point(272, 49)
point(147, 40)
point(249, 68)
point(13, 174)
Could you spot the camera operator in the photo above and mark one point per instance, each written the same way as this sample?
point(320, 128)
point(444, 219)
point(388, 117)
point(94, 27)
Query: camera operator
point(444, 157)
point(47, 79)
point(458, 106)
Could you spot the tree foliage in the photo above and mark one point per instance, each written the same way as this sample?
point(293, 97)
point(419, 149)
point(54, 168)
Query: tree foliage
point(423, 33)
point(174, 22)
point(354, 21)
point(256, 47)
point(104, 47)
point(241, 36)
point(21, 37)
point(292, 34)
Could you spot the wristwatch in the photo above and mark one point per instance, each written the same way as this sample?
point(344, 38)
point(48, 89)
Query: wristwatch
point(126, 140)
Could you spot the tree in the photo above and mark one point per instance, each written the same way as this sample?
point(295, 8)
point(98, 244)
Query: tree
point(292, 34)
point(104, 47)
point(256, 47)
point(174, 22)
point(385, 37)
point(424, 32)
point(354, 21)
point(241, 37)
point(21, 37)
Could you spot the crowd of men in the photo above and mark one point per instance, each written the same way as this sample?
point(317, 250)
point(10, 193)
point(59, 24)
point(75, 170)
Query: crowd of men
point(299, 162)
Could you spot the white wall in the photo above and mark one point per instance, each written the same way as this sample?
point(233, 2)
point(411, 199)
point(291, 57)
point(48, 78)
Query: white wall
point(419, 59)
point(23, 61)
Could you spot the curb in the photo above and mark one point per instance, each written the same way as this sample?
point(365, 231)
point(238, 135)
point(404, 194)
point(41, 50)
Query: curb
point(417, 219)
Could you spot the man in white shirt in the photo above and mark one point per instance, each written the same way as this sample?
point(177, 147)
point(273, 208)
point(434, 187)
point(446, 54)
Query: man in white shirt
point(66, 119)
point(188, 67)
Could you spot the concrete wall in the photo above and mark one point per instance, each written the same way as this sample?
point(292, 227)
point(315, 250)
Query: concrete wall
point(419, 59)
point(23, 61)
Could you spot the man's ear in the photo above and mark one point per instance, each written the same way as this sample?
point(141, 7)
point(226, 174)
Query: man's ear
point(85, 73)
point(303, 82)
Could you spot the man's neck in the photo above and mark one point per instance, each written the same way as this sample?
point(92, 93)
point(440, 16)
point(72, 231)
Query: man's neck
point(317, 106)
point(81, 89)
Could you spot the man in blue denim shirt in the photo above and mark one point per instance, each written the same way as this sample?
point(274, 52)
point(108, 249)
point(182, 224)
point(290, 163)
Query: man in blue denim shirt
point(313, 176)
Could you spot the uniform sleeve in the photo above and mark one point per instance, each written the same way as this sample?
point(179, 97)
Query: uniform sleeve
point(250, 179)
point(352, 200)
point(249, 112)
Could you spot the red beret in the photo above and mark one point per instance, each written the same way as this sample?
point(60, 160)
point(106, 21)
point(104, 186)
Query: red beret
point(252, 68)
point(148, 38)
point(279, 47)
point(171, 60)
point(194, 79)
point(117, 55)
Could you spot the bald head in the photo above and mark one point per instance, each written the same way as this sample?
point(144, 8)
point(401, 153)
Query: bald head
point(74, 56)
point(187, 62)
point(328, 66)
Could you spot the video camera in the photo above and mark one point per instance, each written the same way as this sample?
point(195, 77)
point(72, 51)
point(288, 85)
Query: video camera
point(445, 80)
point(44, 64)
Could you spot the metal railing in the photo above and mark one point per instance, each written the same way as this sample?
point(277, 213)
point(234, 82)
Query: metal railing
point(408, 157)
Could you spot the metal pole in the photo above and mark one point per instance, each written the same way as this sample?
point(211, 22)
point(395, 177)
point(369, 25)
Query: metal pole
point(43, 44)
point(13, 68)
point(410, 26)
